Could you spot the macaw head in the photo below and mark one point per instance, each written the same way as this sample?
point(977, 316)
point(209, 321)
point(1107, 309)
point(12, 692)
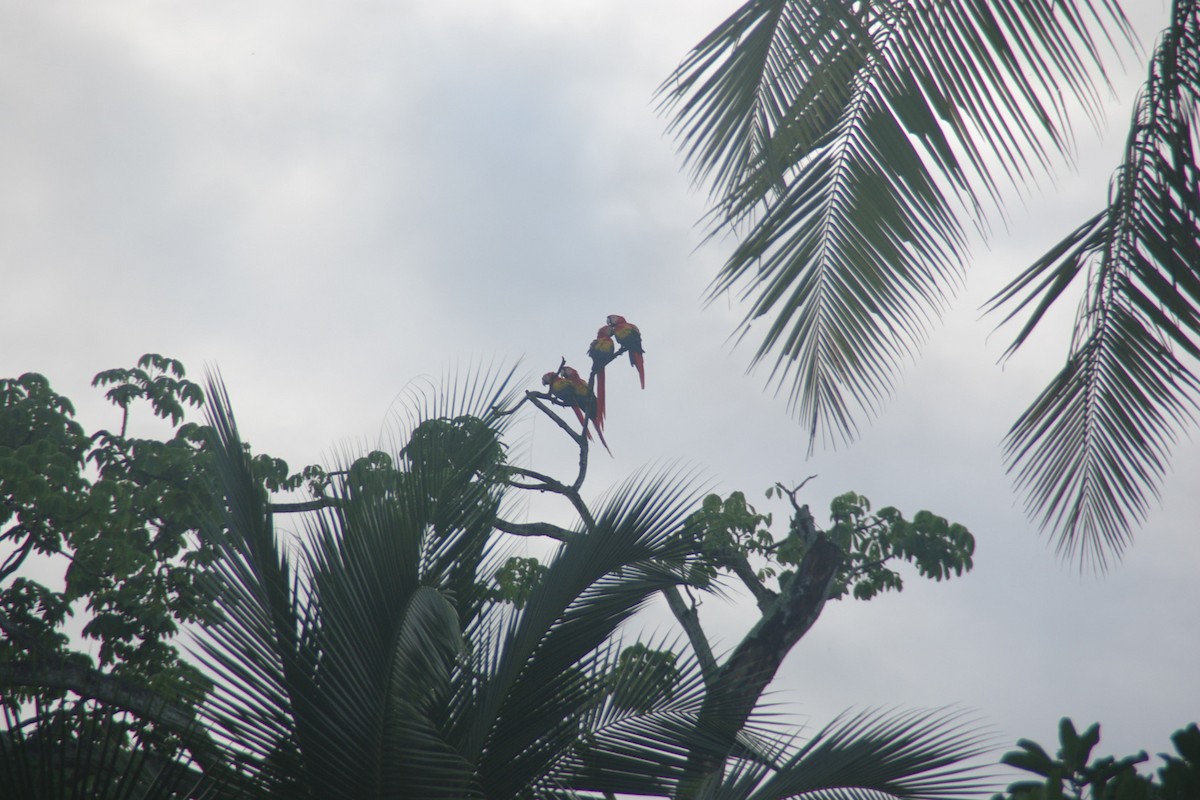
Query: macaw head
point(605, 332)
point(614, 320)
point(548, 378)
point(570, 374)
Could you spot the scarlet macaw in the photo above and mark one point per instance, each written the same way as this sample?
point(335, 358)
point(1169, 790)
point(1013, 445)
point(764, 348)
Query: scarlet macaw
point(601, 351)
point(586, 401)
point(630, 339)
point(569, 389)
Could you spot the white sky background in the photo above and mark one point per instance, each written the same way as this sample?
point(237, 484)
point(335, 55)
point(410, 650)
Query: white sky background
point(328, 200)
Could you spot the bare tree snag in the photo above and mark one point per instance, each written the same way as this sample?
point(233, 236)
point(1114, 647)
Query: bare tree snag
point(741, 680)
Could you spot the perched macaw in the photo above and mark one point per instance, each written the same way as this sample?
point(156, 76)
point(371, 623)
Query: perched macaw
point(568, 388)
point(585, 400)
point(630, 339)
point(562, 391)
point(602, 350)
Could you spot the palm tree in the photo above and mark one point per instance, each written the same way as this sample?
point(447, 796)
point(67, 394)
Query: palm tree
point(88, 750)
point(847, 139)
point(373, 660)
point(374, 657)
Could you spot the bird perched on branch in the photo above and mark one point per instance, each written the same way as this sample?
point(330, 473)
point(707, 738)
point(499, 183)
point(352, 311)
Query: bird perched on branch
point(571, 390)
point(602, 351)
point(630, 339)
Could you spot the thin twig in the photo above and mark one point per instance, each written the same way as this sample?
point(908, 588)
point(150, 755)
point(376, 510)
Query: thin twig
point(791, 493)
point(500, 412)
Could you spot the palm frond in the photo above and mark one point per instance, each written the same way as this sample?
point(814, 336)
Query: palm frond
point(635, 734)
point(256, 653)
point(535, 689)
point(93, 751)
point(352, 666)
point(398, 574)
point(387, 643)
point(1091, 450)
point(846, 137)
point(333, 657)
point(918, 755)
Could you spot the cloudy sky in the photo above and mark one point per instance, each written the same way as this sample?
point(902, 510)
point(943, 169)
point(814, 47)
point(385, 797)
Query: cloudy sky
point(328, 200)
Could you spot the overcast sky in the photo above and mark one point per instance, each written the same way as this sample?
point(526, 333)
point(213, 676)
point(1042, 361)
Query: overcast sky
point(330, 200)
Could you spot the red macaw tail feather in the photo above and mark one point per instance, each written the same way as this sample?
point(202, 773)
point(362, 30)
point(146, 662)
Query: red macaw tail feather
point(636, 358)
point(600, 398)
point(582, 420)
point(600, 433)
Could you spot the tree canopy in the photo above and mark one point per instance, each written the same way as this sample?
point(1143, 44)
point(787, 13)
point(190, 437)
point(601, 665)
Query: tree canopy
point(1073, 774)
point(400, 641)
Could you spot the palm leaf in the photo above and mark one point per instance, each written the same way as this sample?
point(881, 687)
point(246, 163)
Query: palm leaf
point(909, 756)
point(351, 666)
point(636, 733)
point(382, 668)
point(846, 137)
point(643, 735)
point(94, 751)
point(1091, 450)
point(262, 665)
point(535, 687)
point(331, 661)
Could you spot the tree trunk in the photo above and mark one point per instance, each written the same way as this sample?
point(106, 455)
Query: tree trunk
point(741, 680)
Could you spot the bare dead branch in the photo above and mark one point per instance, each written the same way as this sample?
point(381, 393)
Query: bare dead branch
point(739, 565)
point(791, 493)
point(307, 505)
point(689, 620)
point(535, 529)
point(545, 483)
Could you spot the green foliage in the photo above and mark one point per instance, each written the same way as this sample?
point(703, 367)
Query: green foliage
point(124, 512)
point(730, 526)
point(516, 578)
point(932, 544)
point(42, 454)
point(464, 444)
point(1073, 775)
point(275, 476)
point(156, 379)
point(732, 529)
point(120, 508)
